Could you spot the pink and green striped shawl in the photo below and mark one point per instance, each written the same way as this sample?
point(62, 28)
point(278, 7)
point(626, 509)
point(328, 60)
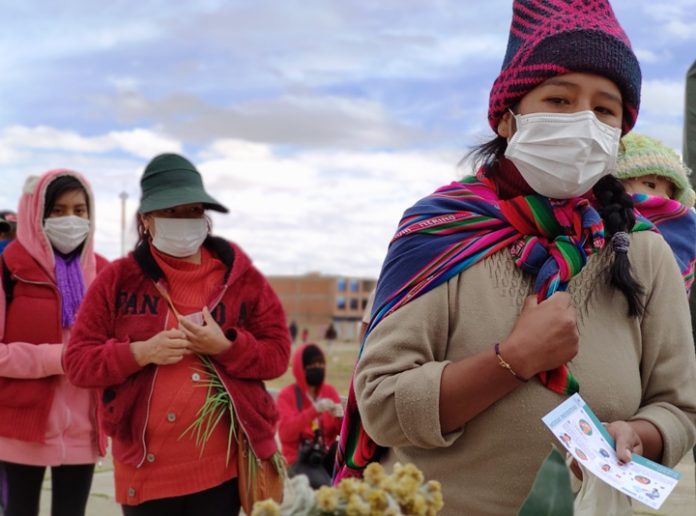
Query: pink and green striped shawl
point(457, 226)
point(677, 224)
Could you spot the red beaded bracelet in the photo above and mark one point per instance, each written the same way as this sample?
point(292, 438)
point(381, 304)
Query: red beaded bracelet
point(502, 363)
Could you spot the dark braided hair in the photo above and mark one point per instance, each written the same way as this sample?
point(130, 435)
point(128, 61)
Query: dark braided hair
point(615, 207)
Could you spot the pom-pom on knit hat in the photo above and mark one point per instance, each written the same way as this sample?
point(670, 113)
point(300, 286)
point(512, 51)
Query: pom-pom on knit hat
point(556, 37)
point(643, 156)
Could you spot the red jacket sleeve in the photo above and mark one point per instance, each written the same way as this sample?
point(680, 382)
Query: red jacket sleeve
point(292, 421)
point(331, 426)
point(261, 349)
point(93, 358)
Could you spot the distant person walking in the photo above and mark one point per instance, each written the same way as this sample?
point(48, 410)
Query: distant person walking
point(330, 334)
point(45, 421)
point(293, 331)
point(8, 228)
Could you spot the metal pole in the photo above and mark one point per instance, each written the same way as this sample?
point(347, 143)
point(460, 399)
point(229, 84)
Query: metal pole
point(123, 196)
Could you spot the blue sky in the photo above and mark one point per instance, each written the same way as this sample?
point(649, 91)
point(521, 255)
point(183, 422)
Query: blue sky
point(316, 122)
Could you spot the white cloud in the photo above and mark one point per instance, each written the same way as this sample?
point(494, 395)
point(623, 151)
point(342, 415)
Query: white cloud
point(333, 212)
point(671, 134)
point(139, 142)
point(311, 210)
point(663, 97)
point(143, 142)
point(674, 18)
point(647, 55)
point(297, 119)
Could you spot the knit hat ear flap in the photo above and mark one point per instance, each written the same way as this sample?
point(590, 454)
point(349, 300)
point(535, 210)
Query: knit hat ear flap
point(641, 155)
point(556, 37)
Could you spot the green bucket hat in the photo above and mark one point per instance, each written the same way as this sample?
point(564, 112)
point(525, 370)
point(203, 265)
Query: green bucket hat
point(171, 180)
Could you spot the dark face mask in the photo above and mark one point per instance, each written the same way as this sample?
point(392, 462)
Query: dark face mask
point(314, 376)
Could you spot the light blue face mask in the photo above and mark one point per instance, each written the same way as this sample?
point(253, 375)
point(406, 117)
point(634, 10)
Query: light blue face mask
point(563, 155)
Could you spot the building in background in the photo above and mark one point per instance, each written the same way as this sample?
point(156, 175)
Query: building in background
point(315, 301)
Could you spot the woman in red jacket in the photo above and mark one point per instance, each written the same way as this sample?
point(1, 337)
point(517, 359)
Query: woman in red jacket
point(310, 416)
point(182, 312)
point(44, 420)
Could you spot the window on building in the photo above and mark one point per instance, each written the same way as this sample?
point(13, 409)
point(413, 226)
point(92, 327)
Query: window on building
point(354, 304)
point(341, 303)
point(354, 285)
point(364, 304)
point(341, 284)
point(368, 285)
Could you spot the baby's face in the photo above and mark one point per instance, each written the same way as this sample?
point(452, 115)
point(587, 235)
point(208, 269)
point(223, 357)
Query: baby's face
point(650, 185)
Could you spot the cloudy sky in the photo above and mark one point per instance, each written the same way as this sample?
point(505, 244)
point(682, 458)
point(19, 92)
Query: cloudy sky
point(317, 122)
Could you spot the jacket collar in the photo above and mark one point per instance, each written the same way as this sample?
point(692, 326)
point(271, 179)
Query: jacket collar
point(218, 246)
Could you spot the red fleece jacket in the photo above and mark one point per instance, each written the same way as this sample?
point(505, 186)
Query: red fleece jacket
point(123, 305)
point(296, 423)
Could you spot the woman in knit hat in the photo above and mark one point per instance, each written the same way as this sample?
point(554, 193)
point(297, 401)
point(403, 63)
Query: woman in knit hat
point(505, 292)
point(658, 181)
point(180, 335)
point(45, 421)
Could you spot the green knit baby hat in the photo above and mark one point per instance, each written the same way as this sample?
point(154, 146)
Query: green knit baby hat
point(642, 155)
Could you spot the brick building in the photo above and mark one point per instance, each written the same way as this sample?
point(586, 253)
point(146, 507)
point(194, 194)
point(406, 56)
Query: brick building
point(314, 301)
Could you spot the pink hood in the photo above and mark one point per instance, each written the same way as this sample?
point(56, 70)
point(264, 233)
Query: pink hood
point(30, 231)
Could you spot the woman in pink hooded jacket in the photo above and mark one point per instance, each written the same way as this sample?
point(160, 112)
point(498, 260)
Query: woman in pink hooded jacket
point(44, 420)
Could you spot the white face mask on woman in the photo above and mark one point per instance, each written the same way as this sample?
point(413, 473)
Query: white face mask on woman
point(66, 233)
point(563, 155)
point(179, 237)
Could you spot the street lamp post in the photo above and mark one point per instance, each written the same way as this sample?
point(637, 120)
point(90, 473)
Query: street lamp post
point(123, 196)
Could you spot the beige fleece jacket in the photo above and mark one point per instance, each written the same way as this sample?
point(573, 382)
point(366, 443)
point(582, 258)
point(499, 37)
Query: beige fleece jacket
point(627, 368)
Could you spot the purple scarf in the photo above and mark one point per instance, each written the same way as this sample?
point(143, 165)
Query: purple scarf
point(71, 286)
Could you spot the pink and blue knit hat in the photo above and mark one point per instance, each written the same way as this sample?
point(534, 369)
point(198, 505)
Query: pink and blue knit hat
point(555, 37)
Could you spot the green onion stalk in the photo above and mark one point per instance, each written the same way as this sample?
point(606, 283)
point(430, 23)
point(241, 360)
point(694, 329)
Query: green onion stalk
point(217, 407)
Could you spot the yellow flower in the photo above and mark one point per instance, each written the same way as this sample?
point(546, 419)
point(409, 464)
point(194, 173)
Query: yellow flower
point(433, 486)
point(404, 490)
point(378, 500)
point(433, 491)
point(357, 506)
point(327, 499)
point(349, 486)
point(419, 505)
point(374, 474)
point(266, 508)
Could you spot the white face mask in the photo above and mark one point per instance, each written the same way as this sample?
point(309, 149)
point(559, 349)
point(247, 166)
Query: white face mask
point(66, 233)
point(563, 155)
point(179, 237)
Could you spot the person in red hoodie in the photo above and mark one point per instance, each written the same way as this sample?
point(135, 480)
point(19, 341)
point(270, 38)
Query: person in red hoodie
point(45, 421)
point(184, 316)
point(310, 417)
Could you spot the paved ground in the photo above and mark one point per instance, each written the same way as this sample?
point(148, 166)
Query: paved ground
point(101, 502)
